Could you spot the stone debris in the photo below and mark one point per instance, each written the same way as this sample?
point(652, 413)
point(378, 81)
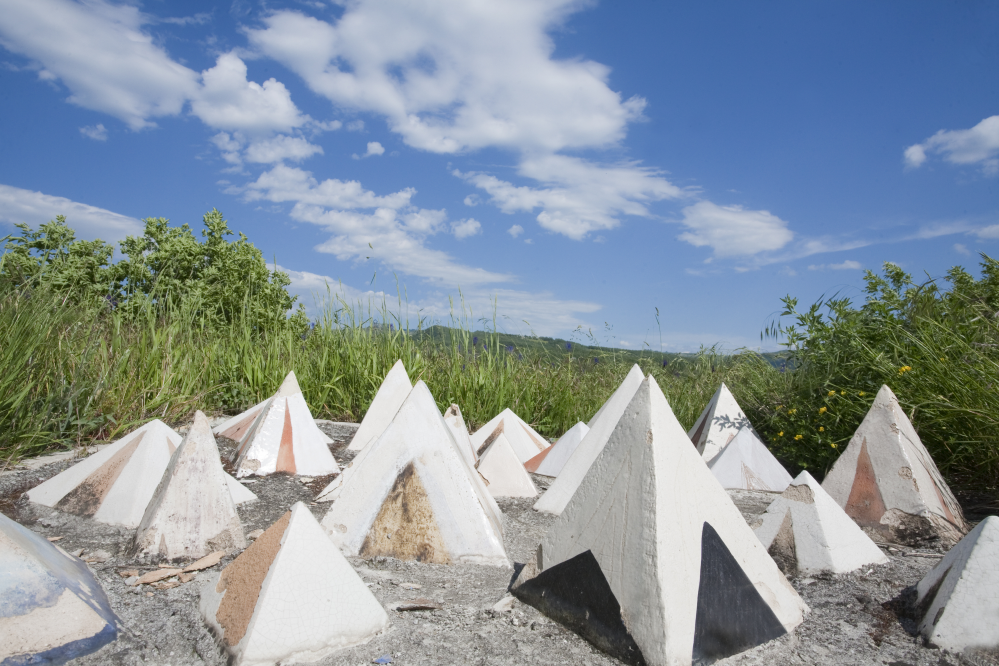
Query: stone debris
point(410, 586)
point(206, 562)
point(551, 461)
point(805, 531)
point(416, 605)
point(455, 421)
point(156, 575)
point(293, 565)
point(601, 425)
point(391, 394)
point(499, 466)
point(650, 560)
point(718, 424)
point(53, 539)
point(959, 597)
point(525, 441)
point(254, 534)
point(52, 609)
point(283, 437)
point(746, 464)
point(192, 512)
point(506, 604)
point(888, 483)
point(410, 495)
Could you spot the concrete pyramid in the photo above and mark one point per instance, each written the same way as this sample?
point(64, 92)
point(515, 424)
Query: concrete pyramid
point(525, 441)
point(504, 473)
point(888, 483)
point(601, 427)
point(551, 461)
point(284, 438)
point(650, 560)
point(389, 398)
point(410, 495)
point(290, 597)
point(455, 421)
point(959, 597)
point(805, 530)
point(115, 484)
point(192, 512)
point(238, 425)
point(718, 424)
point(52, 609)
point(746, 463)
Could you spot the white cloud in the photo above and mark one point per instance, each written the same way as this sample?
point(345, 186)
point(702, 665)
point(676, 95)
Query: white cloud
point(961, 249)
point(978, 145)
point(848, 265)
point(374, 148)
point(35, 208)
point(988, 233)
point(281, 147)
point(96, 132)
point(466, 228)
point(515, 230)
point(284, 183)
point(472, 200)
point(732, 231)
point(355, 126)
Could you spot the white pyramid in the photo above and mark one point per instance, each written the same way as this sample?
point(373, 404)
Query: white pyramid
point(191, 513)
point(746, 463)
point(504, 473)
point(115, 484)
point(290, 597)
point(52, 609)
point(525, 441)
point(805, 530)
point(718, 424)
point(960, 595)
point(551, 461)
point(389, 398)
point(284, 438)
point(455, 421)
point(565, 484)
point(888, 483)
point(410, 495)
point(235, 427)
point(651, 559)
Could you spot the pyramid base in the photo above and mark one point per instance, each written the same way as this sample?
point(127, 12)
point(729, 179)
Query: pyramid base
point(929, 530)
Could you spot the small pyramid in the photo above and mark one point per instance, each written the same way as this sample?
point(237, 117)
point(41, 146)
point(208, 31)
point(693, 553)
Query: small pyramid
point(959, 597)
point(551, 461)
point(455, 421)
point(291, 596)
point(561, 490)
point(52, 609)
point(718, 424)
point(745, 463)
point(284, 438)
point(191, 512)
point(115, 484)
point(888, 483)
point(504, 473)
point(410, 496)
point(650, 560)
point(805, 530)
point(235, 427)
point(389, 398)
point(525, 441)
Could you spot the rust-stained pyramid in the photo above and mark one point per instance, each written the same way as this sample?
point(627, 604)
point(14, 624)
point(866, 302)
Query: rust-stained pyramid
point(718, 424)
point(455, 421)
point(504, 473)
point(410, 495)
point(284, 437)
point(290, 597)
point(650, 560)
point(192, 512)
point(525, 441)
point(115, 484)
point(888, 483)
point(387, 401)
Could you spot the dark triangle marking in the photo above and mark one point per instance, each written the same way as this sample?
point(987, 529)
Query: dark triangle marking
point(731, 614)
point(576, 593)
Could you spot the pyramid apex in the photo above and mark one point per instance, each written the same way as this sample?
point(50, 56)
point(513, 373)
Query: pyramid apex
point(289, 386)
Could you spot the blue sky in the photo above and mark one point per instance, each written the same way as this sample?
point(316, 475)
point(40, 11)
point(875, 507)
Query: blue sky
point(581, 163)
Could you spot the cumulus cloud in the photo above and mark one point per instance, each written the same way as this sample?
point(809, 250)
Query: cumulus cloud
point(988, 233)
point(848, 265)
point(976, 146)
point(281, 147)
point(466, 228)
point(515, 230)
point(732, 231)
point(374, 148)
point(35, 208)
point(96, 132)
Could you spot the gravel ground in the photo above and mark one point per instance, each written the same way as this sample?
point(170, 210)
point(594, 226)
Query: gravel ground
point(859, 618)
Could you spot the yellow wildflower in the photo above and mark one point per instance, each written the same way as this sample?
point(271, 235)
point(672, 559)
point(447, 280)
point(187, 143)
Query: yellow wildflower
point(842, 392)
point(798, 437)
point(822, 428)
point(904, 369)
point(833, 445)
point(780, 434)
point(792, 411)
point(831, 394)
point(822, 410)
point(861, 394)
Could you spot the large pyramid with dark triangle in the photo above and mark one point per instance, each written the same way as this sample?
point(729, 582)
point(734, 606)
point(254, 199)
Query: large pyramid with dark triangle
point(650, 560)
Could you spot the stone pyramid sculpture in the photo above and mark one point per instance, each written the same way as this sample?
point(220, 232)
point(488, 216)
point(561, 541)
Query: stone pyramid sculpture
point(52, 609)
point(718, 424)
point(389, 398)
point(551, 461)
point(191, 513)
point(561, 490)
point(290, 597)
point(410, 495)
point(115, 484)
point(745, 463)
point(959, 597)
point(455, 421)
point(804, 530)
point(525, 441)
point(237, 426)
point(504, 473)
point(888, 483)
point(284, 438)
point(650, 560)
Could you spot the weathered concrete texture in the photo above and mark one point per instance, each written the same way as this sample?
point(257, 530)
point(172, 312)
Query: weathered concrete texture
point(503, 471)
point(718, 424)
point(551, 461)
point(456, 422)
point(746, 463)
point(391, 394)
point(888, 483)
point(526, 443)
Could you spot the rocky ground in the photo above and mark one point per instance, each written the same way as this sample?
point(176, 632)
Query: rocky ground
point(859, 618)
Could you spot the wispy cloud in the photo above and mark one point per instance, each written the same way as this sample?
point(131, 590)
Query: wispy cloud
point(35, 208)
point(848, 265)
point(96, 132)
point(976, 146)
